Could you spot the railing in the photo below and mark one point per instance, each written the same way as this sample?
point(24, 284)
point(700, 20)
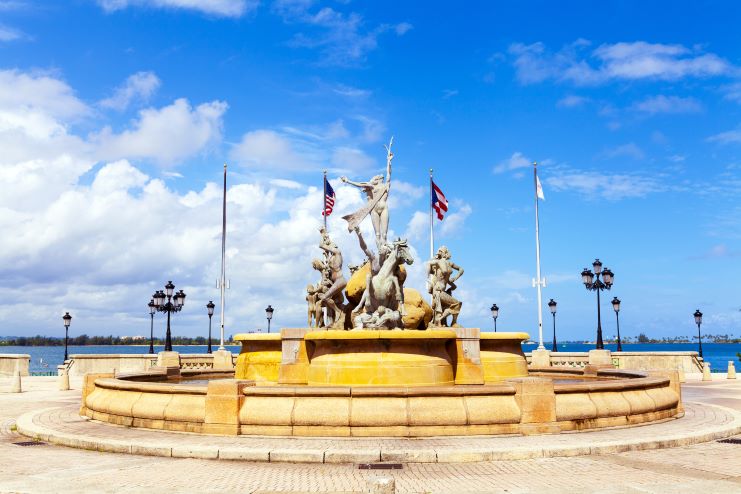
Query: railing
point(685, 361)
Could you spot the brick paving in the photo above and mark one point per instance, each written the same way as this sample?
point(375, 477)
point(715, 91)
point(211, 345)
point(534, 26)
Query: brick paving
point(710, 467)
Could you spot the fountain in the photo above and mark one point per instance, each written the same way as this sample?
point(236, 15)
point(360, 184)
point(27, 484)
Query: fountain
point(378, 360)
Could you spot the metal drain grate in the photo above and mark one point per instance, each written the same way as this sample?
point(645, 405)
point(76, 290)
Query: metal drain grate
point(380, 466)
point(30, 443)
point(733, 440)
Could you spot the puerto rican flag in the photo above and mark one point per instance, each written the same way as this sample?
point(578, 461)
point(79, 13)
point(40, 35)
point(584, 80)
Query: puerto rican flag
point(439, 203)
point(328, 198)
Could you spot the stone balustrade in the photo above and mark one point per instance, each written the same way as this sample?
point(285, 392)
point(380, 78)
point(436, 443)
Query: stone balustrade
point(10, 362)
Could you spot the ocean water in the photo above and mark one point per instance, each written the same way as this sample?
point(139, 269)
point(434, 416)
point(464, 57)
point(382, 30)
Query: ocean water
point(717, 354)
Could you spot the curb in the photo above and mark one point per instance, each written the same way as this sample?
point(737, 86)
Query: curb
point(181, 449)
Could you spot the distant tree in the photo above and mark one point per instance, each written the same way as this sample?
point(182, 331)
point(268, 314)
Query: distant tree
point(642, 338)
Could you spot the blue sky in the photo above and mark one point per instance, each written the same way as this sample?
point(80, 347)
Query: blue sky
point(117, 115)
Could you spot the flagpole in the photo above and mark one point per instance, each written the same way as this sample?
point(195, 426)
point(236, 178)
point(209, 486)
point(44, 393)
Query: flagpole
point(538, 282)
point(432, 223)
point(223, 259)
point(324, 212)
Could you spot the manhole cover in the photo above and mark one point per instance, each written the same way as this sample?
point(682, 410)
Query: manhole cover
point(733, 440)
point(380, 466)
point(30, 443)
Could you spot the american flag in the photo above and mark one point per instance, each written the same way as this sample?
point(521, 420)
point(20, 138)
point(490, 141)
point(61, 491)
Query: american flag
point(438, 201)
point(328, 198)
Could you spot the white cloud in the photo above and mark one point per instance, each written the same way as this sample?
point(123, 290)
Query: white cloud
point(418, 226)
point(351, 92)
point(165, 135)
point(222, 8)
point(29, 92)
point(10, 34)
point(308, 149)
point(732, 91)
point(267, 149)
point(402, 28)
point(514, 162)
point(612, 187)
point(572, 101)
point(626, 61)
point(455, 219)
point(630, 150)
point(347, 158)
point(727, 137)
point(138, 87)
point(341, 38)
point(667, 104)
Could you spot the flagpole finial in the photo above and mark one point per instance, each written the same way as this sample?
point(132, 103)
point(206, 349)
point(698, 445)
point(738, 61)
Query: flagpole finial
point(224, 165)
point(430, 171)
point(535, 163)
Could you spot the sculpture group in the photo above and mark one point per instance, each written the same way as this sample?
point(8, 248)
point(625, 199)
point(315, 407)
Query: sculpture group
point(382, 303)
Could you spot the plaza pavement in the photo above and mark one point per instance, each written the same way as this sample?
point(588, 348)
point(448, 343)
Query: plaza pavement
point(707, 467)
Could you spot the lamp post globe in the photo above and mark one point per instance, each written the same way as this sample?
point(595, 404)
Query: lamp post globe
point(552, 307)
point(152, 309)
point(67, 320)
point(616, 308)
point(494, 314)
point(269, 314)
point(698, 321)
point(210, 308)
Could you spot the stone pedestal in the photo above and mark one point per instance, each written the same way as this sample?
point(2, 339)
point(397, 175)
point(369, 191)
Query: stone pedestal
point(540, 358)
point(168, 359)
point(537, 402)
point(223, 360)
point(63, 381)
point(731, 370)
point(222, 407)
point(706, 376)
point(468, 368)
point(294, 368)
point(15, 385)
point(600, 358)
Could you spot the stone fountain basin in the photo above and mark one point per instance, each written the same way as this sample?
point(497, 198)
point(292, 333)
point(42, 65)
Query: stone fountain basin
point(541, 403)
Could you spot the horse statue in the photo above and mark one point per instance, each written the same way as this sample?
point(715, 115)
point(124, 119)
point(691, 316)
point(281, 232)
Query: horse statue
point(383, 298)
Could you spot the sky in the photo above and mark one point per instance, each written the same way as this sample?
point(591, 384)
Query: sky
point(116, 117)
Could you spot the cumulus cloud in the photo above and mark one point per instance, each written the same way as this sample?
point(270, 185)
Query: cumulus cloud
point(667, 104)
point(221, 8)
point(165, 135)
point(309, 149)
point(137, 87)
point(578, 64)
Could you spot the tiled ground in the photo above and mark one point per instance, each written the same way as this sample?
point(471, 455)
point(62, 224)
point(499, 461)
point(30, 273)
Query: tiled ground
point(710, 467)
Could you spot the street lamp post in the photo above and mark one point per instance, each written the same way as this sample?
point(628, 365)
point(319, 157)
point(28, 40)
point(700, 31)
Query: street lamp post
point(210, 307)
point(616, 307)
point(552, 307)
point(68, 319)
point(495, 314)
point(174, 303)
point(698, 321)
point(152, 310)
point(269, 314)
point(592, 282)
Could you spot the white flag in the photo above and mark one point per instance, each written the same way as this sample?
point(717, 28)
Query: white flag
point(539, 188)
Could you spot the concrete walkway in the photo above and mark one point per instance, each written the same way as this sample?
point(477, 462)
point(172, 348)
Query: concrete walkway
point(547, 462)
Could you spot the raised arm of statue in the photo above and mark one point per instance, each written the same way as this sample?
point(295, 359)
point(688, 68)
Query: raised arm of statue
point(361, 185)
point(363, 245)
point(389, 157)
point(331, 247)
